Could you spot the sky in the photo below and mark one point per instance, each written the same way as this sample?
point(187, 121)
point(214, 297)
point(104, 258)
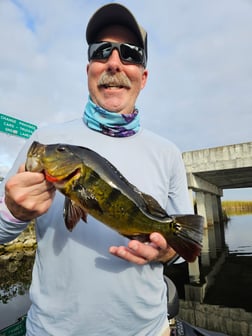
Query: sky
point(198, 93)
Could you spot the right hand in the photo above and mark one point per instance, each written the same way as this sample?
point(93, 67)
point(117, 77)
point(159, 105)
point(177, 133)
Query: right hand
point(157, 250)
point(28, 194)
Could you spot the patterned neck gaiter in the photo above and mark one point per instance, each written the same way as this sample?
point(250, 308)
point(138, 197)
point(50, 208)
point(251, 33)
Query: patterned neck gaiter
point(111, 123)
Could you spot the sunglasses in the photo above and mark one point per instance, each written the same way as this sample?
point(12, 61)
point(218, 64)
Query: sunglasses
point(128, 52)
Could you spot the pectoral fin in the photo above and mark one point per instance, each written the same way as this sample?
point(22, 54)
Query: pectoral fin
point(72, 214)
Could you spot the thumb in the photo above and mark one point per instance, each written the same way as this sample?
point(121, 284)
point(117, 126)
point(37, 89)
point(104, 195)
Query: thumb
point(21, 169)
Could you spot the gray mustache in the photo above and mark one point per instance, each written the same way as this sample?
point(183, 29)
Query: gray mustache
point(114, 80)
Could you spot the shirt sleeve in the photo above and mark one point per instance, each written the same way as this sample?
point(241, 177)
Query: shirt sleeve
point(10, 227)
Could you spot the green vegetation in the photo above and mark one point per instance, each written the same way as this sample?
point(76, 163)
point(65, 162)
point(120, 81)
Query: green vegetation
point(232, 208)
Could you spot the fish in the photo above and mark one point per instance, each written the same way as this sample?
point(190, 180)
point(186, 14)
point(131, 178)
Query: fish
point(92, 185)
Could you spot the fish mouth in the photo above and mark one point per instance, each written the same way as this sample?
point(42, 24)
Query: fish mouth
point(60, 181)
point(33, 164)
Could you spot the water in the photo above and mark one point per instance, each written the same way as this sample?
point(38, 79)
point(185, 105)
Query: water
point(231, 288)
point(238, 235)
point(232, 277)
point(234, 281)
point(15, 278)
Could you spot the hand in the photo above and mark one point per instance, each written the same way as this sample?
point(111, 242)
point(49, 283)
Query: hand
point(28, 195)
point(141, 253)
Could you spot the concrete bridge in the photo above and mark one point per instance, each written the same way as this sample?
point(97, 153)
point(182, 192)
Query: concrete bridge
point(211, 170)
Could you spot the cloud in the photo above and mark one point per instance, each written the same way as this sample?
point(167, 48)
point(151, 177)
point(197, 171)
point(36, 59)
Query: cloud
point(203, 73)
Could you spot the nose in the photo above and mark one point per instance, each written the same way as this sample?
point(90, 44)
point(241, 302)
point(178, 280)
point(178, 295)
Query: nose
point(114, 63)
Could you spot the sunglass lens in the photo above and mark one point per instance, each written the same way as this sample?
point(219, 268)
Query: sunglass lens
point(131, 53)
point(99, 50)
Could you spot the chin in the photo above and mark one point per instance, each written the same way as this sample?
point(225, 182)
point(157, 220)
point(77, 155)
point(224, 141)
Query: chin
point(112, 106)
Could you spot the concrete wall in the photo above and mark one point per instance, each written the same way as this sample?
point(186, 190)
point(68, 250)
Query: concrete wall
point(231, 321)
point(219, 158)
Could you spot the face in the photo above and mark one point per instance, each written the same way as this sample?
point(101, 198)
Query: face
point(112, 84)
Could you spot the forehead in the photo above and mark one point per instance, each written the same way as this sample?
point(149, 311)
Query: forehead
point(117, 33)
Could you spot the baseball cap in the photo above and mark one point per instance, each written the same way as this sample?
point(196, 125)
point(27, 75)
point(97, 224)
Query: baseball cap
point(115, 13)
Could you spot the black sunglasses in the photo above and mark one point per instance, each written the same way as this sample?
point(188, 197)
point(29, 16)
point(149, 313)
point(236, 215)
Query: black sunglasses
point(128, 52)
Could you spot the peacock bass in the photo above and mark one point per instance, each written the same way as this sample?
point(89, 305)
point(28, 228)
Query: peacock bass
point(92, 185)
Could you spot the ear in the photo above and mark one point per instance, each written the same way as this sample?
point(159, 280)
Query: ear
point(144, 78)
point(87, 68)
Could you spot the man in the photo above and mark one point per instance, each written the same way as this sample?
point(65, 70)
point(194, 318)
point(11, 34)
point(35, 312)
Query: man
point(92, 281)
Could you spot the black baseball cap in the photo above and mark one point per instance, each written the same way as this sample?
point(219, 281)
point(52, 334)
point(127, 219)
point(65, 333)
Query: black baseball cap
point(115, 13)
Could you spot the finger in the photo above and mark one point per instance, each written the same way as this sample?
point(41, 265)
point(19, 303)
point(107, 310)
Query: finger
point(128, 255)
point(156, 250)
point(137, 252)
point(147, 251)
point(36, 181)
point(166, 253)
point(21, 169)
point(44, 187)
point(24, 179)
point(157, 239)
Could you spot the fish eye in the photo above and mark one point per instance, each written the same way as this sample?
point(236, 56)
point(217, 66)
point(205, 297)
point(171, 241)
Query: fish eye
point(61, 148)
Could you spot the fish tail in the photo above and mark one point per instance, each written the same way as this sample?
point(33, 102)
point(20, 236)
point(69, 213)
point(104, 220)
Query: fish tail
point(187, 236)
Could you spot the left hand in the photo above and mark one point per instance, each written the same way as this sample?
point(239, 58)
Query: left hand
point(141, 253)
